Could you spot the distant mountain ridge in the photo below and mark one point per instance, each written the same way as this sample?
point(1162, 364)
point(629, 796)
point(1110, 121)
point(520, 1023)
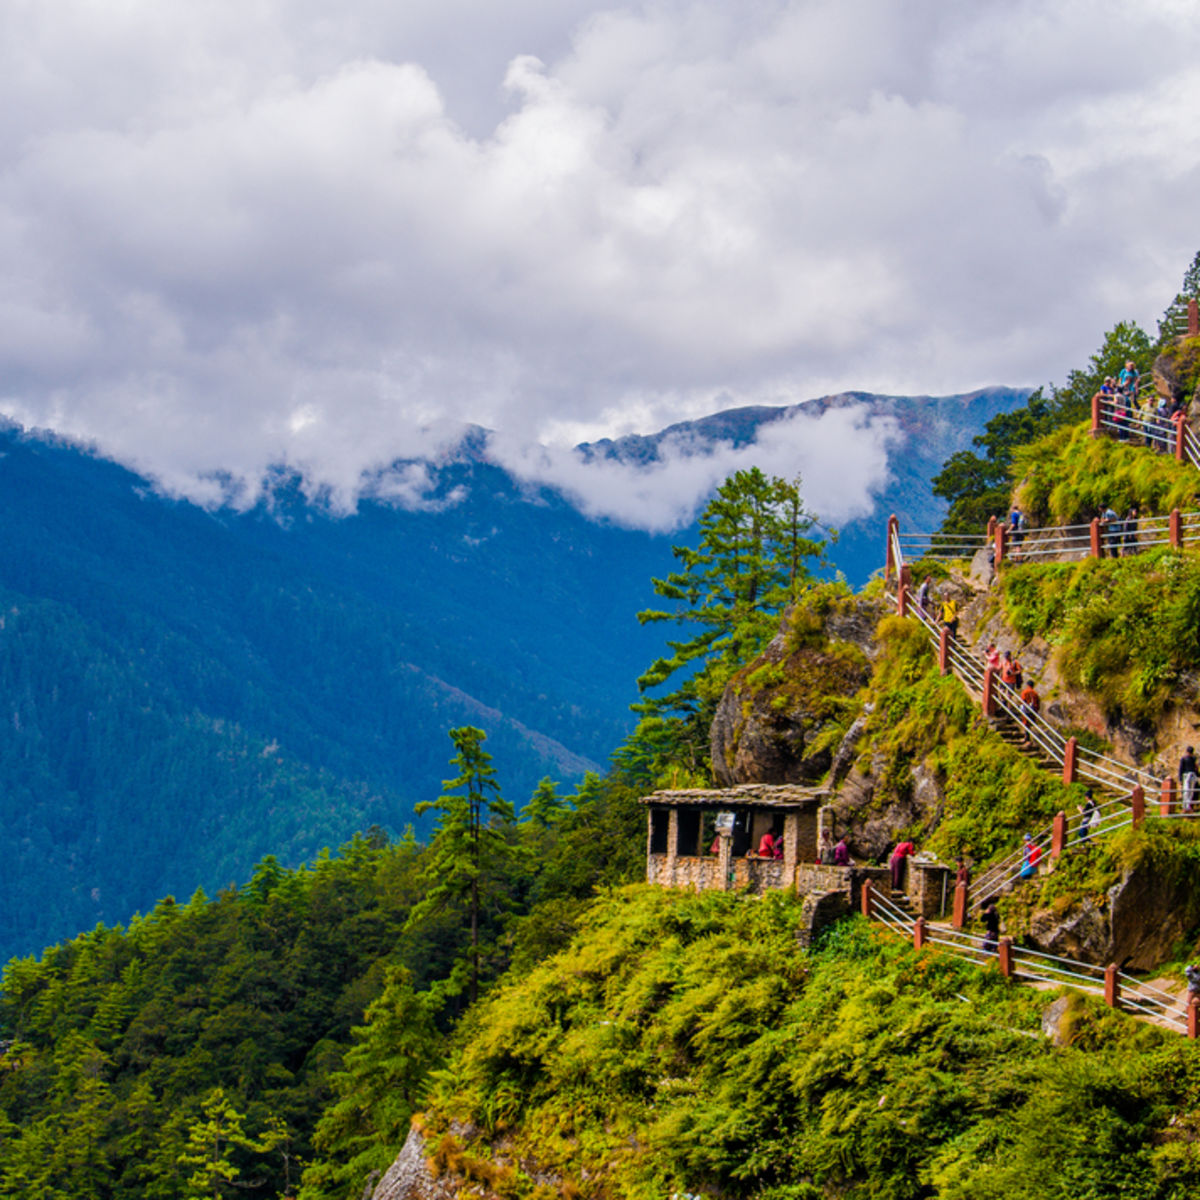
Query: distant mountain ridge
point(184, 691)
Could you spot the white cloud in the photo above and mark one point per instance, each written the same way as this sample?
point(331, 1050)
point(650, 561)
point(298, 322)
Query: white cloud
point(280, 233)
point(841, 456)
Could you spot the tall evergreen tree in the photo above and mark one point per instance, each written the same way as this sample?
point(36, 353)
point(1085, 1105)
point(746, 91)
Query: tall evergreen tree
point(756, 548)
point(471, 847)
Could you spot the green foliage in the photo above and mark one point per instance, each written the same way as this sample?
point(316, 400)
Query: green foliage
point(979, 486)
point(216, 1140)
point(1070, 477)
point(753, 558)
point(377, 1091)
point(467, 869)
point(991, 791)
point(683, 1044)
point(1129, 628)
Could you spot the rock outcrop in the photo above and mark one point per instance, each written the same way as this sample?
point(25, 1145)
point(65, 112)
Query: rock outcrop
point(1137, 924)
point(772, 721)
point(409, 1177)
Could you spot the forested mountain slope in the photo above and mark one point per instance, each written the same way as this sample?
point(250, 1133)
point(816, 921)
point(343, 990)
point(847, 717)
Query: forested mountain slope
point(203, 688)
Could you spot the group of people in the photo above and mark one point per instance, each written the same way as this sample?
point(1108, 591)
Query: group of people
point(1148, 417)
point(1008, 667)
point(830, 854)
point(1119, 534)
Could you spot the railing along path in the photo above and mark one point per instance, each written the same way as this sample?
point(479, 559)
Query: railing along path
point(1118, 988)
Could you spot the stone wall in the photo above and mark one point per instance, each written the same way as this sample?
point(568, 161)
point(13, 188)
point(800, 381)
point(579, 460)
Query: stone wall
point(669, 870)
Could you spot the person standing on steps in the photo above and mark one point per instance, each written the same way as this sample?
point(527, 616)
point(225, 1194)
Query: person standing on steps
point(897, 861)
point(1010, 670)
point(1031, 703)
point(991, 657)
point(1187, 779)
point(1016, 530)
point(841, 853)
point(991, 927)
point(1030, 854)
point(950, 615)
point(1089, 815)
point(923, 594)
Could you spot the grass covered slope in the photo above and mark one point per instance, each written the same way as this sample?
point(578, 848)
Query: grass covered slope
point(1128, 629)
point(683, 1043)
point(919, 719)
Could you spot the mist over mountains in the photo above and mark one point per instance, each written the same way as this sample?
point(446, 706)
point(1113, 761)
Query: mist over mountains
point(186, 690)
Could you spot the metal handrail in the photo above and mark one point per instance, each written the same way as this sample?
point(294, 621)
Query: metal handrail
point(1138, 998)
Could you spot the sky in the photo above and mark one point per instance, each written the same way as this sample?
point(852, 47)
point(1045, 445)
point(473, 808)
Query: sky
point(237, 236)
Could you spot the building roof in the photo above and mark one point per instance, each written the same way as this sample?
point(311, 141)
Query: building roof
point(745, 795)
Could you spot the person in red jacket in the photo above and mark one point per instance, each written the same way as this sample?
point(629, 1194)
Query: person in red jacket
point(896, 862)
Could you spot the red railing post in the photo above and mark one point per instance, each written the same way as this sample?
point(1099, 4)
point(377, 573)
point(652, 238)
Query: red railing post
point(1069, 755)
point(865, 898)
point(1001, 542)
point(1175, 529)
point(1096, 414)
point(1193, 1018)
point(919, 934)
point(1179, 437)
point(989, 699)
point(1058, 838)
point(944, 651)
point(902, 598)
point(1095, 532)
point(1137, 802)
point(1166, 800)
point(893, 527)
point(1112, 986)
point(959, 918)
point(1193, 319)
point(991, 533)
point(1004, 954)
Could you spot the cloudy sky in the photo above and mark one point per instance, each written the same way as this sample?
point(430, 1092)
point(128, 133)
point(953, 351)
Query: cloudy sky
point(238, 234)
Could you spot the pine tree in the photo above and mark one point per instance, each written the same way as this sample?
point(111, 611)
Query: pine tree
point(471, 847)
point(756, 547)
point(213, 1139)
point(377, 1091)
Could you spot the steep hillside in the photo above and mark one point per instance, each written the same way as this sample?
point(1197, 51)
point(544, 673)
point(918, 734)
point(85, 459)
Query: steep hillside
point(683, 1045)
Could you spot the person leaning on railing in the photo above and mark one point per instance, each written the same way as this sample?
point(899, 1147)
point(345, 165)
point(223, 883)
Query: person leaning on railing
point(1187, 779)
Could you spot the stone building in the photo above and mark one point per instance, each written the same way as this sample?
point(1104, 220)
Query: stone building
point(707, 838)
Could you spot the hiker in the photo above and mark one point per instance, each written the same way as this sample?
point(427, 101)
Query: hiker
point(1031, 702)
point(825, 849)
point(1010, 670)
point(1187, 779)
point(991, 925)
point(1110, 528)
point(1127, 379)
point(841, 853)
point(923, 593)
point(1089, 816)
point(770, 846)
point(1130, 541)
point(1030, 854)
point(1192, 972)
point(897, 861)
point(1016, 529)
point(992, 657)
point(950, 615)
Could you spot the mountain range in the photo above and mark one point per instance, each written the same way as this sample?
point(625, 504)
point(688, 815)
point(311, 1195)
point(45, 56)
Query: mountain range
point(183, 691)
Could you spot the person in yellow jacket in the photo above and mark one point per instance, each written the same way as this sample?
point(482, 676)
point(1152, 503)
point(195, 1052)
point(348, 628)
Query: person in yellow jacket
point(950, 615)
